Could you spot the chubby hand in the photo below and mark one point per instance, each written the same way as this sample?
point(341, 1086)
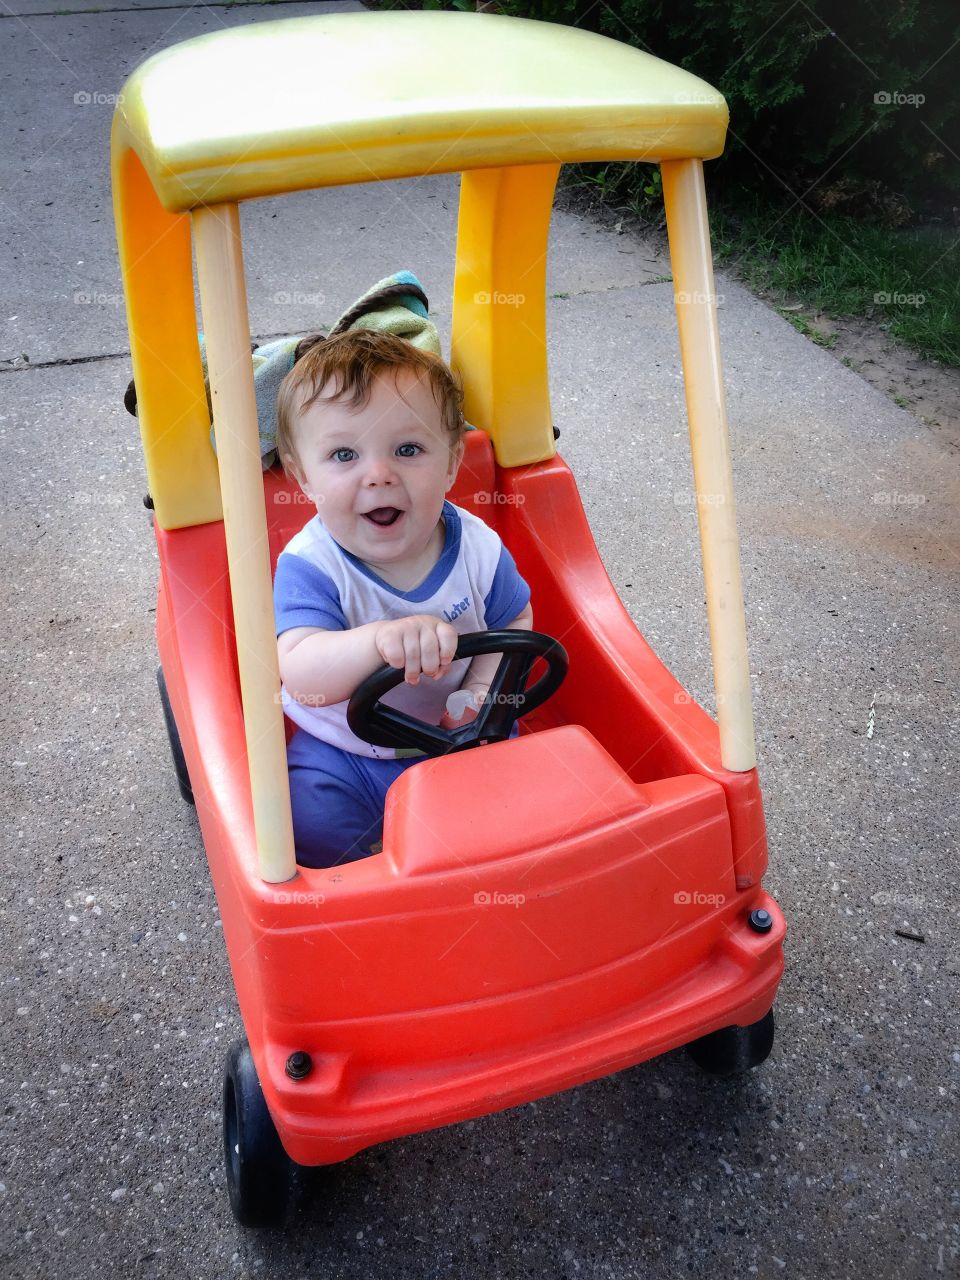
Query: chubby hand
point(421, 643)
point(448, 721)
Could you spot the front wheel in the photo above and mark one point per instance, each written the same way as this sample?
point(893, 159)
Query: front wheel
point(173, 733)
point(259, 1171)
point(733, 1050)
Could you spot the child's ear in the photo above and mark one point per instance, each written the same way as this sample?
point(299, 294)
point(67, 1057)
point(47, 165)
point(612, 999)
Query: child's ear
point(293, 470)
point(456, 458)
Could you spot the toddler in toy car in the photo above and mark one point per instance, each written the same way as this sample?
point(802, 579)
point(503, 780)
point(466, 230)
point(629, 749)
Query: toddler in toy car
point(388, 571)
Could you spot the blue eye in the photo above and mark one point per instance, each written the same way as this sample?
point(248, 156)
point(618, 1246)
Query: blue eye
point(336, 454)
point(409, 446)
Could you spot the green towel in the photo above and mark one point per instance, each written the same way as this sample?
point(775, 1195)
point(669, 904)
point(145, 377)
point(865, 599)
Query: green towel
point(385, 307)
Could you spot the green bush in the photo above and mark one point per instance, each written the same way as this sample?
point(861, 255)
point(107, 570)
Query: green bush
point(823, 98)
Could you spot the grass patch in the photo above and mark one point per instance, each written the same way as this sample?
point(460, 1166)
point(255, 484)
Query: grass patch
point(802, 326)
point(907, 281)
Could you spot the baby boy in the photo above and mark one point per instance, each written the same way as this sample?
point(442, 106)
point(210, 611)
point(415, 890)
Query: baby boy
point(388, 571)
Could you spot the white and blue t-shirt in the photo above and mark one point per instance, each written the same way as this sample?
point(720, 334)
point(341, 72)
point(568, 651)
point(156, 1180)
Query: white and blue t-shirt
point(475, 585)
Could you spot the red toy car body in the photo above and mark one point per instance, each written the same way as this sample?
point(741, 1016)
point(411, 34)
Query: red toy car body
point(545, 910)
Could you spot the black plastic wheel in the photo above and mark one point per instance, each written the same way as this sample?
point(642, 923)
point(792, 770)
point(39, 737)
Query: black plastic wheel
point(732, 1050)
point(176, 750)
point(259, 1171)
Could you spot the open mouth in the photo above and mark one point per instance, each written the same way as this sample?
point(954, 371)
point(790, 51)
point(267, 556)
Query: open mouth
point(383, 516)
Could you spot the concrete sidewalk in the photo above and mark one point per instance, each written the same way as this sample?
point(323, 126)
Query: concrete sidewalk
point(837, 1157)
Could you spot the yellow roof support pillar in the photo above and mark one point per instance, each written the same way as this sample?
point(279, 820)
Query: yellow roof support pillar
point(155, 263)
point(499, 340)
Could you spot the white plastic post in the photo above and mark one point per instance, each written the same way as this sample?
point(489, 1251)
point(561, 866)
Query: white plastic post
point(689, 234)
point(223, 300)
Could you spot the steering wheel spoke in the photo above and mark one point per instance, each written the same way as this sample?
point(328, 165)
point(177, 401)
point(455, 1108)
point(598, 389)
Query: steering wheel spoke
point(408, 731)
point(504, 700)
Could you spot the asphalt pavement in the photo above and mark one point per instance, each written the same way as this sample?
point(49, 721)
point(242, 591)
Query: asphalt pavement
point(838, 1157)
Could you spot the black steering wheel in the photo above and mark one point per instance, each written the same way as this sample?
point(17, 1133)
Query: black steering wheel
point(506, 701)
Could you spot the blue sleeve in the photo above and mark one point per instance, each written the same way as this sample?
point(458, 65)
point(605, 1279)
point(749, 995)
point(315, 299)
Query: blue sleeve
point(508, 596)
point(305, 596)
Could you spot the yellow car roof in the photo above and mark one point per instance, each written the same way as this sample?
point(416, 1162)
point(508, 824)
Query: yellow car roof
point(321, 101)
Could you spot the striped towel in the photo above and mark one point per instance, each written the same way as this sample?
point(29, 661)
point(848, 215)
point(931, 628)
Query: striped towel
point(396, 304)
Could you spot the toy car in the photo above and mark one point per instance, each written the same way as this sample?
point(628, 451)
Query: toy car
point(547, 908)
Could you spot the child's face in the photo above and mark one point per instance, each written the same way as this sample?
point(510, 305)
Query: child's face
point(393, 453)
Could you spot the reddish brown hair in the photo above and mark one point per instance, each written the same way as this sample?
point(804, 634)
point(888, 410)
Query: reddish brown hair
point(349, 364)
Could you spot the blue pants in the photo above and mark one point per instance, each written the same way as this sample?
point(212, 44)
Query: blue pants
point(338, 799)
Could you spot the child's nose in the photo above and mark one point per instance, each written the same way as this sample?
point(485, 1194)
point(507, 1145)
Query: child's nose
point(380, 471)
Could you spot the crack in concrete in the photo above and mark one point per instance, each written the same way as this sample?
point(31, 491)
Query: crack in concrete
point(22, 366)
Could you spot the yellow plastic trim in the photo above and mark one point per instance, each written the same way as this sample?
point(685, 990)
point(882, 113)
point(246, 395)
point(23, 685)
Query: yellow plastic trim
point(325, 100)
point(499, 341)
point(155, 264)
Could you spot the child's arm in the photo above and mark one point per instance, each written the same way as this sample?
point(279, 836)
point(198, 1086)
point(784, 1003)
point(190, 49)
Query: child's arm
point(320, 667)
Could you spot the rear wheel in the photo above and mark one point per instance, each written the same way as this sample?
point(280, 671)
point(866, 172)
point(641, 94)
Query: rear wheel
point(259, 1171)
point(176, 750)
point(733, 1050)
